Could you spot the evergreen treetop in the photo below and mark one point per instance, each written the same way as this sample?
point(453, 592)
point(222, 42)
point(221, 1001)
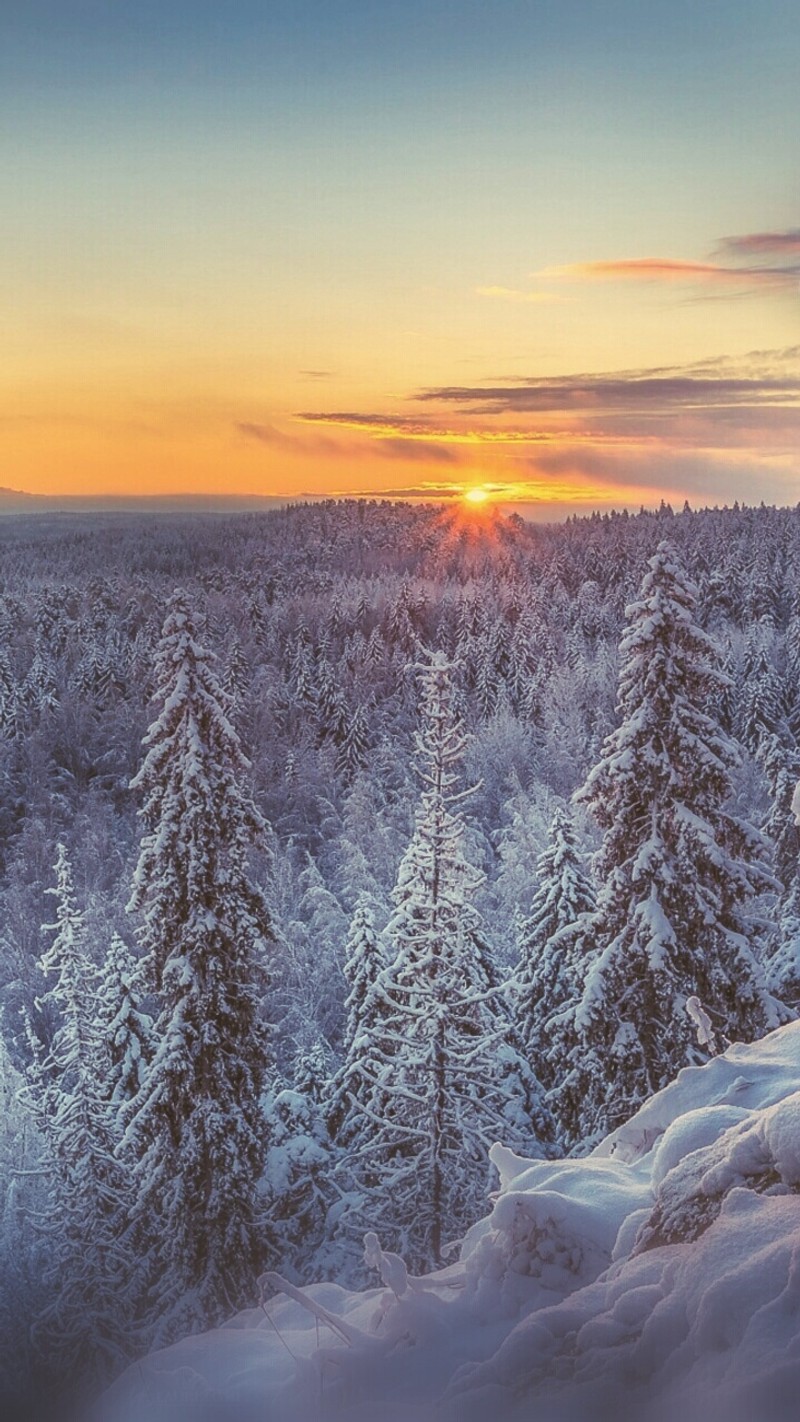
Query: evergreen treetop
point(679, 869)
point(550, 942)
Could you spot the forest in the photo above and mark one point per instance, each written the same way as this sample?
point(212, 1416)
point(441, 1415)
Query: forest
point(341, 842)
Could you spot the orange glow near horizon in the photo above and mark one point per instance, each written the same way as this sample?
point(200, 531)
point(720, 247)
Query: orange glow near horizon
point(477, 495)
point(114, 439)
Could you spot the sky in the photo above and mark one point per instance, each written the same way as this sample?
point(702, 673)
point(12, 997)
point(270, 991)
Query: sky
point(547, 248)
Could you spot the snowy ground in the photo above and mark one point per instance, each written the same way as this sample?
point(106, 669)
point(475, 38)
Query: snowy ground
point(658, 1277)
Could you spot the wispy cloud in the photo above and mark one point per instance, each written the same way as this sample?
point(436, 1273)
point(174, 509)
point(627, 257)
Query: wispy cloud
point(389, 445)
point(673, 272)
point(375, 423)
point(435, 492)
point(417, 451)
point(288, 443)
point(590, 394)
point(413, 429)
point(752, 244)
point(655, 389)
point(739, 266)
point(718, 475)
point(264, 434)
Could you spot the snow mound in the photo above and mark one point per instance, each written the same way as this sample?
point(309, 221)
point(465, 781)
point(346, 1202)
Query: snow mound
point(657, 1278)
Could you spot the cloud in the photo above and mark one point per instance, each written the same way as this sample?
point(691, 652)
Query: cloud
point(290, 444)
point(639, 269)
point(739, 266)
point(753, 244)
point(435, 492)
point(418, 429)
point(675, 428)
point(265, 434)
point(718, 475)
point(667, 270)
point(378, 424)
point(318, 374)
point(389, 445)
point(760, 362)
point(413, 450)
point(654, 389)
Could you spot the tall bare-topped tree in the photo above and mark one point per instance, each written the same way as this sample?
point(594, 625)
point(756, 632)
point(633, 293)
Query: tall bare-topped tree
point(441, 1076)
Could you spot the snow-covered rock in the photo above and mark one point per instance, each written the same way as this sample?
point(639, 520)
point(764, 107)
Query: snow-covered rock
point(658, 1277)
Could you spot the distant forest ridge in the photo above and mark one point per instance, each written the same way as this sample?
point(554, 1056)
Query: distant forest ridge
point(14, 501)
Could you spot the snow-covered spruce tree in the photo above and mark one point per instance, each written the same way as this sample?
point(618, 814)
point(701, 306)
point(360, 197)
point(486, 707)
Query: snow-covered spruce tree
point(783, 968)
point(128, 1030)
point(363, 963)
point(196, 1134)
point(352, 752)
point(24, 1199)
point(84, 1324)
point(441, 1075)
point(678, 871)
point(550, 946)
point(780, 760)
point(299, 1167)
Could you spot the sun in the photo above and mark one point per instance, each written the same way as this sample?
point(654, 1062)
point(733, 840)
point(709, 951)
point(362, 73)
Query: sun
point(476, 495)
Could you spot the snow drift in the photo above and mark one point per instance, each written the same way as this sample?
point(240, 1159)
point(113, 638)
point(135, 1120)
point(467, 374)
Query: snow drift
point(658, 1277)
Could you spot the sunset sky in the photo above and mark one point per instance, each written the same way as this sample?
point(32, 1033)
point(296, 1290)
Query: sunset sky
point(297, 247)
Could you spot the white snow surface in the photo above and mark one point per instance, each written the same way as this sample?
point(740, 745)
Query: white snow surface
point(658, 1278)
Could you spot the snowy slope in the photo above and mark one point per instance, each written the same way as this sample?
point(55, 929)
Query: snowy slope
point(658, 1277)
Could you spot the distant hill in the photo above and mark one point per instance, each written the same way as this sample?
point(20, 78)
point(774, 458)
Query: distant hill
point(11, 499)
point(17, 501)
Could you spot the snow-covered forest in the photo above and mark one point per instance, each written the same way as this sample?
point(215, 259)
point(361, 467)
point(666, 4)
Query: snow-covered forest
point(340, 844)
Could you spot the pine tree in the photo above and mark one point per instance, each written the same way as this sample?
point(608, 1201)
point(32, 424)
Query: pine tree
point(550, 946)
point(442, 1077)
point(299, 1165)
point(127, 1029)
point(678, 871)
point(783, 967)
point(85, 1320)
point(39, 690)
point(351, 755)
point(196, 1135)
point(760, 712)
point(297, 1172)
point(363, 963)
point(779, 758)
point(365, 849)
point(9, 699)
point(238, 675)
